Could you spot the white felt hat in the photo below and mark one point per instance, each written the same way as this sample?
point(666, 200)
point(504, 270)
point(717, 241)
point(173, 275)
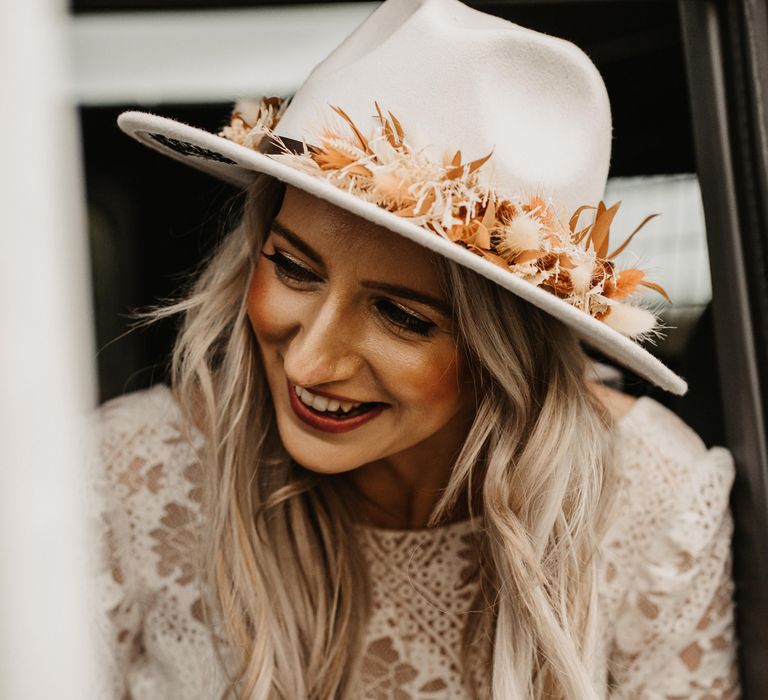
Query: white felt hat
point(379, 128)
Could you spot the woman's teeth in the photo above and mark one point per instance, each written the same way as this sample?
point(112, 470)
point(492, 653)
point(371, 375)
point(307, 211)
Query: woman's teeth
point(323, 403)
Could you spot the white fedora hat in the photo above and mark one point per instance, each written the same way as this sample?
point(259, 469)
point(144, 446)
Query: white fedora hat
point(484, 141)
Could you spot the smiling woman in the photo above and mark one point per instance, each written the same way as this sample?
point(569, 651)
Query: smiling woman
point(356, 398)
point(382, 469)
point(462, 390)
point(338, 310)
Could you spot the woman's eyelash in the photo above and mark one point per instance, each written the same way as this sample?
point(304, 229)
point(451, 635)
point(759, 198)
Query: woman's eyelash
point(288, 268)
point(393, 312)
point(406, 320)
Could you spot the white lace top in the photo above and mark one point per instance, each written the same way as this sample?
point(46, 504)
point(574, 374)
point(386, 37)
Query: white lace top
point(665, 583)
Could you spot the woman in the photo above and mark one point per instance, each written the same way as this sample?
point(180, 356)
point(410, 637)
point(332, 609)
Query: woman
point(383, 469)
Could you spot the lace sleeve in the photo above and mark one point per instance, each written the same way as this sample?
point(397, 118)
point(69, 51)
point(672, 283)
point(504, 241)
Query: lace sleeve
point(146, 486)
point(674, 636)
point(116, 605)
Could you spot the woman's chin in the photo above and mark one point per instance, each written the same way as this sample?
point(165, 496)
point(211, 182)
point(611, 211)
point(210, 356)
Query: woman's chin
point(319, 456)
point(333, 463)
point(324, 452)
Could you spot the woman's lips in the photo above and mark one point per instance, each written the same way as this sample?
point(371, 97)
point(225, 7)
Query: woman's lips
point(328, 423)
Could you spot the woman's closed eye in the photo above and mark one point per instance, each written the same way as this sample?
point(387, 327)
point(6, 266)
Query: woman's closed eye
point(288, 268)
point(294, 272)
point(405, 319)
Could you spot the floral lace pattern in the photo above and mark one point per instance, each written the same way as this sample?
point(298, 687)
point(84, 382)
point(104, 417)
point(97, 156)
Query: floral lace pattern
point(420, 600)
point(665, 584)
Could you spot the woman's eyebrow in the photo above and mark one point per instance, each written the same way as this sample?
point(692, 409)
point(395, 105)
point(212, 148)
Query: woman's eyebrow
point(396, 289)
point(291, 237)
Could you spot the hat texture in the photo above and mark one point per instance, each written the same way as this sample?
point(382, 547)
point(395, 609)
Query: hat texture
point(484, 141)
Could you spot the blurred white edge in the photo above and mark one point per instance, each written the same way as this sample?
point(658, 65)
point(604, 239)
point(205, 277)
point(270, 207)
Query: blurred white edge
point(47, 378)
point(203, 56)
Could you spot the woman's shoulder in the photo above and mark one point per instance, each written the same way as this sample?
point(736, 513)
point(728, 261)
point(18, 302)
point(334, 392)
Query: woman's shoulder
point(145, 497)
point(666, 583)
point(650, 437)
point(144, 425)
point(672, 490)
point(149, 411)
point(147, 467)
point(653, 443)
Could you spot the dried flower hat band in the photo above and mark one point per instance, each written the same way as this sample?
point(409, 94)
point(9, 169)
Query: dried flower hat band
point(522, 235)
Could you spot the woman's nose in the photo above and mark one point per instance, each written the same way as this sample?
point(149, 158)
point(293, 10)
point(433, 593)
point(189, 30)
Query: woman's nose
point(325, 347)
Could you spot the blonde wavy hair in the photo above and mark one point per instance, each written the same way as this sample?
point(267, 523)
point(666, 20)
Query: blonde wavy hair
point(285, 582)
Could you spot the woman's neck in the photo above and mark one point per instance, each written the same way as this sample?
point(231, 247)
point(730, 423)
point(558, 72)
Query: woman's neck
point(377, 504)
point(402, 491)
point(390, 495)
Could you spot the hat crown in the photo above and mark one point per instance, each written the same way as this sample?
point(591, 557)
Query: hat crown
point(457, 78)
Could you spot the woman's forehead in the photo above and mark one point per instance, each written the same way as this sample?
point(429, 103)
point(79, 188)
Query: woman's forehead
point(340, 235)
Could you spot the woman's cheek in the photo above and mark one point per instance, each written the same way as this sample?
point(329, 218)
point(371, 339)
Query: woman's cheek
point(438, 381)
point(426, 377)
point(264, 306)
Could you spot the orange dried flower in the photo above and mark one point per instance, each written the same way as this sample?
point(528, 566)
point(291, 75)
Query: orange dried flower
point(448, 198)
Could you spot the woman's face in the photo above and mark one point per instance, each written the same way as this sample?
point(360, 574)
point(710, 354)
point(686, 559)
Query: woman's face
point(346, 312)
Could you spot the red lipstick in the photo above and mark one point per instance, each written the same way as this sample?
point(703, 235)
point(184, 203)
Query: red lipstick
point(328, 423)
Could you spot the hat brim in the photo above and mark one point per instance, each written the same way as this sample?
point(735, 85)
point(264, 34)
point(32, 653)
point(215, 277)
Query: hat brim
point(237, 164)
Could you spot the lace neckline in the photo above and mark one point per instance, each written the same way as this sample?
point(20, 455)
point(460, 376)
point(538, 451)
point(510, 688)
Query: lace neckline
point(459, 527)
